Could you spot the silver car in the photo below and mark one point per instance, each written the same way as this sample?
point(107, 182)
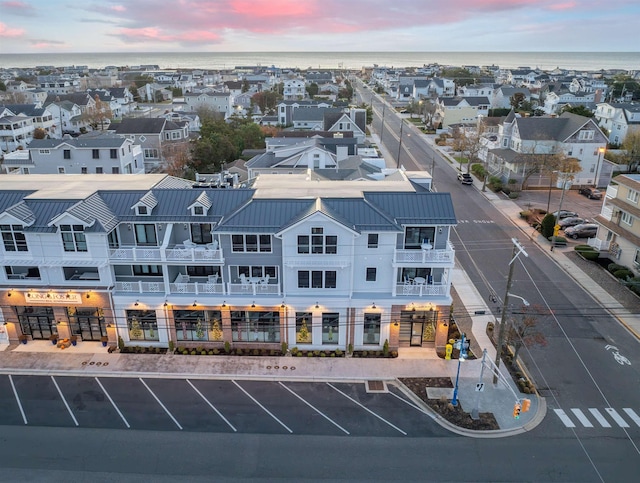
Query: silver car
point(584, 230)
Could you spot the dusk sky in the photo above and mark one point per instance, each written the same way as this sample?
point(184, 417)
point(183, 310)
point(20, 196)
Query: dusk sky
point(61, 26)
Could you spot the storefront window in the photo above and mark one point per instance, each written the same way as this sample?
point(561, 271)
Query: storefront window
point(142, 325)
point(330, 328)
point(303, 327)
point(371, 329)
point(86, 322)
point(198, 325)
point(255, 326)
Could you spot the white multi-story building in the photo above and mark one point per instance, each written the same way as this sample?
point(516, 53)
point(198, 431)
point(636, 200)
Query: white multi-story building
point(155, 259)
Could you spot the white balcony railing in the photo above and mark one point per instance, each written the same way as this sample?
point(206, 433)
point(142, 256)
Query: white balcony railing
point(157, 254)
point(173, 288)
point(425, 257)
point(253, 288)
point(422, 290)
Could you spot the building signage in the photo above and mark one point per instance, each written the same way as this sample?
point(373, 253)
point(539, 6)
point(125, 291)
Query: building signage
point(53, 298)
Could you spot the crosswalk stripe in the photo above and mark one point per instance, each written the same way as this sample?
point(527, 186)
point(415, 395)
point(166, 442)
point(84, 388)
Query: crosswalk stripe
point(599, 417)
point(616, 417)
point(582, 418)
point(564, 418)
point(632, 414)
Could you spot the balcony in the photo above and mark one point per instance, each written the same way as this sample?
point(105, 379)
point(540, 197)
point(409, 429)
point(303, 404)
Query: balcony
point(177, 253)
point(425, 257)
point(192, 288)
point(422, 290)
point(254, 288)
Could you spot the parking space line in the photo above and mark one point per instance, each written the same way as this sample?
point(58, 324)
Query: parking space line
point(113, 403)
point(211, 406)
point(263, 408)
point(315, 409)
point(160, 402)
point(64, 401)
point(367, 409)
point(15, 393)
point(411, 404)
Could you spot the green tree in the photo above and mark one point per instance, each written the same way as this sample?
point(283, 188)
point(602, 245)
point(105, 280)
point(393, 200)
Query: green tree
point(266, 100)
point(622, 84)
point(369, 110)
point(3, 86)
point(312, 90)
point(579, 110)
point(631, 146)
point(517, 100)
point(245, 86)
point(460, 76)
point(547, 224)
point(176, 92)
point(141, 80)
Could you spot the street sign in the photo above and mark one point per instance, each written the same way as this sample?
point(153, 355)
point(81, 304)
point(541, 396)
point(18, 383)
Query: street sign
point(480, 387)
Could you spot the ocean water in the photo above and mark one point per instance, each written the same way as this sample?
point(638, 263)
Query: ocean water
point(331, 60)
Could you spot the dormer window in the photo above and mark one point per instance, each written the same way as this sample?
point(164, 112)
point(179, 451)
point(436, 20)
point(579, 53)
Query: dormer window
point(198, 210)
point(142, 210)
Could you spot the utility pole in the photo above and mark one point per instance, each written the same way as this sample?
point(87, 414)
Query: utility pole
point(384, 106)
point(517, 250)
point(400, 142)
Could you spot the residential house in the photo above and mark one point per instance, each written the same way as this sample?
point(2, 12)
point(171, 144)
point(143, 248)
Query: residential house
point(285, 109)
point(521, 138)
point(91, 153)
point(41, 116)
point(159, 261)
point(215, 101)
point(158, 137)
point(16, 132)
point(619, 220)
point(294, 89)
point(557, 100)
point(619, 119)
point(503, 94)
point(460, 110)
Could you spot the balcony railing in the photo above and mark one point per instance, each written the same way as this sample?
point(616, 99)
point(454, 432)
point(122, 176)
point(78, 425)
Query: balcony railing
point(425, 257)
point(422, 290)
point(253, 288)
point(158, 254)
point(173, 288)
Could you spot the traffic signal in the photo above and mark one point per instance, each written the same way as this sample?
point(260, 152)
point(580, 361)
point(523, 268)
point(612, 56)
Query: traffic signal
point(556, 230)
point(516, 410)
point(526, 404)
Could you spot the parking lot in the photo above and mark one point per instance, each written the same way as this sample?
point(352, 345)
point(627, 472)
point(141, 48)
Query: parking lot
point(265, 407)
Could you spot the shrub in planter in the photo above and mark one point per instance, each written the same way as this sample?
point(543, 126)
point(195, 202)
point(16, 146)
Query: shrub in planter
point(238, 352)
point(310, 354)
point(210, 352)
point(193, 352)
point(294, 351)
point(333, 354)
point(284, 348)
point(513, 195)
point(216, 352)
point(299, 354)
point(614, 267)
point(316, 353)
point(185, 352)
point(623, 274)
point(255, 352)
point(227, 347)
point(322, 354)
point(591, 256)
point(394, 353)
point(364, 353)
point(171, 345)
point(338, 353)
point(385, 347)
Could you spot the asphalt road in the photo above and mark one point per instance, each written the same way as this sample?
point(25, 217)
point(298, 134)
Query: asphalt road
point(575, 371)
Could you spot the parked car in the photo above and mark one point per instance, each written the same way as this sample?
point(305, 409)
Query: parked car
point(584, 230)
point(571, 221)
point(465, 178)
point(564, 214)
point(591, 193)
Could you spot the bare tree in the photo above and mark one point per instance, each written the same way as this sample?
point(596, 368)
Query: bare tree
point(524, 332)
point(99, 114)
point(631, 145)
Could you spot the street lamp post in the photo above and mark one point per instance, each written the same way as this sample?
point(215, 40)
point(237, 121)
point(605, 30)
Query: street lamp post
point(461, 357)
point(597, 174)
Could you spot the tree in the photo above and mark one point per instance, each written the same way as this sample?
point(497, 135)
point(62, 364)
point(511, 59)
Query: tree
point(312, 90)
point(631, 146)
point(245, 86)
point(141, 80)
point(177, 158)
point(622, 84)
point(98, 116)
point(369, 110)
point(266, 100)
point(517, 100)
point(460, 76)
point(39, 133)
point(523, 331)
point(580, 110)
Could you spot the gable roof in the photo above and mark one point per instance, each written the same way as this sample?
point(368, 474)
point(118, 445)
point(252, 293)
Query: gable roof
point(140, 125)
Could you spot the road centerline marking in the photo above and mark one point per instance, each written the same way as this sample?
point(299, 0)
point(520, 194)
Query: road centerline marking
point(55, 383)
point(15, 393)
point(211, 406)
point(367, 409)
point(126, 423)
point(314, 408)
point(261, 406)
point(160, 402)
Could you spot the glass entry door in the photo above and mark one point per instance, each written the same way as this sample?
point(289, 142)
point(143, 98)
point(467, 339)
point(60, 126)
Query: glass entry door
point(38, 322)
point(86, 322)
point(416, 334)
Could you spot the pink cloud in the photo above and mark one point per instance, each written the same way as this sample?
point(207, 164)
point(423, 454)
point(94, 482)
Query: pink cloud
point(202, 21)
point(18, 8)
point(563, 6)
point(9, 32)
point(156, 35)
